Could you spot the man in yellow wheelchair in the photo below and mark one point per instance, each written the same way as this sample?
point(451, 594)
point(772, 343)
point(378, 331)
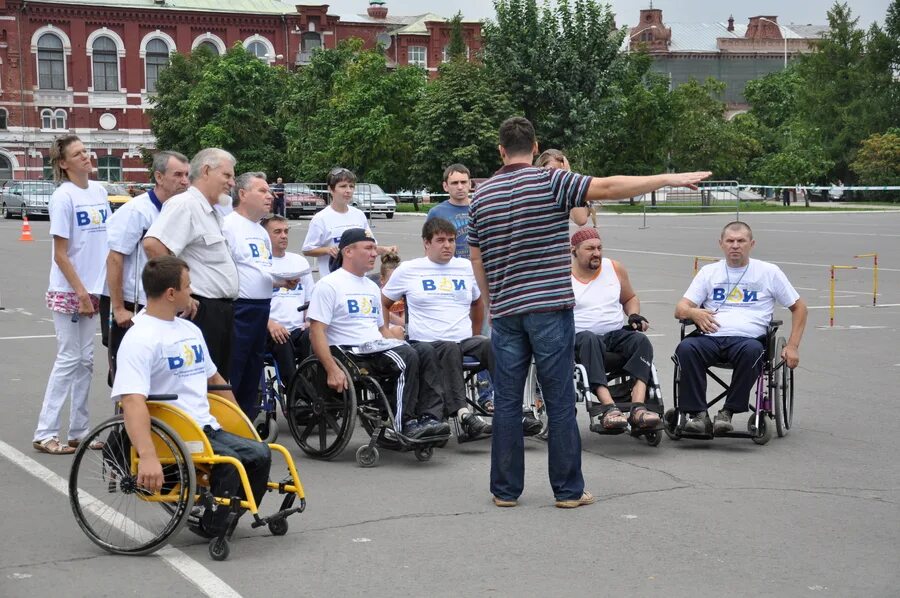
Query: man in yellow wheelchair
point(165, 354)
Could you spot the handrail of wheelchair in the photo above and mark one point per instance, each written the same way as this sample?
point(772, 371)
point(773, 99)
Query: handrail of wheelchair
point(162, 397)
point(215, 387)
point(690, 322)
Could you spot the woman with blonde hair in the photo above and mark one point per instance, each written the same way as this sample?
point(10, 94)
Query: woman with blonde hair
point(553, 158)
point(78, 213)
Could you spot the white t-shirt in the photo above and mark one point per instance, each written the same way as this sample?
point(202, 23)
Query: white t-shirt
point(325, 230)
point(251, 249)
point(598, 305)
point(166, 357)
point(124, 232)
point(438, 297)
point(743, 298)
point(286, 301)
point(349, 305)
point(80, 216)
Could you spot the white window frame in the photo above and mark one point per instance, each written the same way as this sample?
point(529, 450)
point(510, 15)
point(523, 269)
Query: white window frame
point(211, 38)
point(67, 51)
point(120, 52)
point(270, 48)
point(420, 63)
point(160, 35)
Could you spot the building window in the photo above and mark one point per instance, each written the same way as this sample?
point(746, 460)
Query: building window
point(4, 117)
point(156, 61)
point(109, 168)
point(208, 47)
point(445, 56)
point(310, 41)
point(6, 169)
point(48, 169)
point(106, 65)
point(416, 56)
point(259, 50)
point(59, 119)
point(51, 62)
point(53, 119)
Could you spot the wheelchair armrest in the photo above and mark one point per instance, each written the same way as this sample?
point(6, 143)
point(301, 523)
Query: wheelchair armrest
point(303, 307)
point(686, 322)
point(162, 397)
point(215, 387)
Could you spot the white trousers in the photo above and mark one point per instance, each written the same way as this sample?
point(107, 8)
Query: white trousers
point(71, 375)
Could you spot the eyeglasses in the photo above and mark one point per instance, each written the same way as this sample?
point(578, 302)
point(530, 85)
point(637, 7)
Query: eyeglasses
point(337, 171)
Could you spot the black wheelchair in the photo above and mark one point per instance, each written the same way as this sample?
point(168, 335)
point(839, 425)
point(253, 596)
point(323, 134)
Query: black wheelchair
point(471, 369)
point(620, 384)
point(322, 420)
point(773, 409)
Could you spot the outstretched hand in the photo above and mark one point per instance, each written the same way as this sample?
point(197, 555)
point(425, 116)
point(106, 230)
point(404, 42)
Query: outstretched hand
point(689, 179)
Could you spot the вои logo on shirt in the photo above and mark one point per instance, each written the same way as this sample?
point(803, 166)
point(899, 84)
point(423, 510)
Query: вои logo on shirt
point(362, 305)
point(737, 295)
point(444, 284)
point(91, 216)
point(260, 251)
point(190, 355)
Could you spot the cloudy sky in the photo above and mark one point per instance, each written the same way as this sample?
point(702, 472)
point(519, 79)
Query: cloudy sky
point(627, 11)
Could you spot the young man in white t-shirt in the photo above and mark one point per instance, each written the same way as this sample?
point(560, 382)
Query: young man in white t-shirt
point(251, 250)
point(604, 300)
point(732, 302)
point(345, 310)
point(165, 354)
point(288, 329)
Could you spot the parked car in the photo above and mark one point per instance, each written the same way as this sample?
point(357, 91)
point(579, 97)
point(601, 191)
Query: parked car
point(117, 194)
point(31, 198)
point(300, 200)
point(371, 199)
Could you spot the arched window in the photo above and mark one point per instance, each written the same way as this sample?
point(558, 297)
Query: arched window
point(209, 47)
point(51, 62)
point(59, 119)
point(4, 118)
point(109, 168)
point(6, 169)
point(156, 60)
point(106, 64)
point(259, 50)
point(46, 119)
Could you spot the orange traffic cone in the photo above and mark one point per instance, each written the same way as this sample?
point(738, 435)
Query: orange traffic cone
point(26, 230)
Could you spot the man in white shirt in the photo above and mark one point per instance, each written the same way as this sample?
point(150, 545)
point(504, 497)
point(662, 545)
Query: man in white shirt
point(346, 310)
point(445, 314)
point(190, 228)
point(164, 354)
point(731, 302)
point(604, 300)
point(288, 329)
point(252, 252)
point(125, 230)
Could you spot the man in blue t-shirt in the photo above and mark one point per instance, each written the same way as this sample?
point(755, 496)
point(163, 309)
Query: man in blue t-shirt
point(458, 184)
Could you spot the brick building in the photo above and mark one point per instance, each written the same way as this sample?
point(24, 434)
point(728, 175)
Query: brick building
point(90, 67)
point(730, 52)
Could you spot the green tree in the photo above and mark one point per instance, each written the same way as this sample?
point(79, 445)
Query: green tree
point(457, 121)
point(456, 49)
point(349, 109)
point(878, 160)
point(228, 102)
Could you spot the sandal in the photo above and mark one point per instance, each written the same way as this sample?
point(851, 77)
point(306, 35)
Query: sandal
point(611, 417)
point(642, 418)
point(487, 405)
point(51, 446)
point(96, 445)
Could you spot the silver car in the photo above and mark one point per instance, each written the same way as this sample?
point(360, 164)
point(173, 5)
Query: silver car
point(371, 199)
point(31, 198)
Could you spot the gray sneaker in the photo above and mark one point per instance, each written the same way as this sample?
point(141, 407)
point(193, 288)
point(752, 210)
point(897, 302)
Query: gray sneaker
point(722, 423)
point(698, 424)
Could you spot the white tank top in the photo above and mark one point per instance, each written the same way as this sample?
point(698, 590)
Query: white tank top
point(597, 306)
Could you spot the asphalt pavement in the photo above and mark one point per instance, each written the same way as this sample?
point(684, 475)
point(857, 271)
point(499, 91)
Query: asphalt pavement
point(814, 513)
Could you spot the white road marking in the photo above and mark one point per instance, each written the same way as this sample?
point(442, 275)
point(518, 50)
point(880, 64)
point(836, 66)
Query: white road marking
point(667, 254)
point(851, 327)
point(851, 306)
point(205, 580)
point(19, 338)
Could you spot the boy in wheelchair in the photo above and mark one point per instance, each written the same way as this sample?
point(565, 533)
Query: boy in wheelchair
point(165, 354)
point(604, 298)
point(345, 310)
point(731, 303)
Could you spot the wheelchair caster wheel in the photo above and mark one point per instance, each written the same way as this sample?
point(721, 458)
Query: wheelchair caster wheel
point(763, 434)
point(367, 456)
point(423, 453)
point(653, 438)
point(278, 527)
point(219, 549)
point(670, 422)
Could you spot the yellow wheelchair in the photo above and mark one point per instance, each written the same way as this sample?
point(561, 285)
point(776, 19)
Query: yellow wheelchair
point(123, 518)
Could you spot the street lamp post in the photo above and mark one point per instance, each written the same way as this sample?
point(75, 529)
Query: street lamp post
point(783, 36)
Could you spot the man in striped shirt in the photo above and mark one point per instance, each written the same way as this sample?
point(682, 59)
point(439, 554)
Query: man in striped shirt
point(519, 248)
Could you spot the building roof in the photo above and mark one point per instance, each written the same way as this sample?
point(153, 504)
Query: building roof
point(274, 7)
point(703, 37)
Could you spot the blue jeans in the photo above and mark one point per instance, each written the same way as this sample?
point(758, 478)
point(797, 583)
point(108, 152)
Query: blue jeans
point(550, 338)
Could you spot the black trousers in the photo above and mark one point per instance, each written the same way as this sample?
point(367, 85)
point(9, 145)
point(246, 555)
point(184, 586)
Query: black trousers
point(418, 388)
point(696, 353)
point(634, 345)
point(225, 480)
point(289, 355)
point(449, 356)
point(111, 333)
point(215, 319)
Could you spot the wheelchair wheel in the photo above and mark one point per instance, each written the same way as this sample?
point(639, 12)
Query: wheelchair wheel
point(781, 393)
point(219, 549)
point(423, 453)
point(367, 456)
point(267, 427)
point(670, 423)
point(533, 401)
point(321, 420)
point(278, 527)
point(653, 438)
point(763, 434)
point(109, 506)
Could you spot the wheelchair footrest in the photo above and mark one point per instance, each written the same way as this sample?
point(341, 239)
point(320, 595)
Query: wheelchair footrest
point(697, 436)
point(599, 429)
